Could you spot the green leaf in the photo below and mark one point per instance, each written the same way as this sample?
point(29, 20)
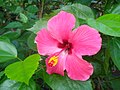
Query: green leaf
point(4, 38)
point(81, 13)
point(85, 2)
point(9, 85)
point(7, 50)
point(23, 70)
point(13, 85)
point(115, 51)
point(12, 34)
point(108, 4)
point(32, 9)
point(18, 9)
point(31, 86)
point(97, 69)
point(57, 82)
point(1, 74)
point(14, 24)
point(23, 18)
point(38, 26)
point(79, 10)
point(31, 42)
point(108, 24)
point(53, 13)
point(118, 1)
point(115, 9)
point(115, 83)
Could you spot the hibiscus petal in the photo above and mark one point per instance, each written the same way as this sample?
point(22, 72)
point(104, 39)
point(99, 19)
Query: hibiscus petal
point(77, 68)
point(61, 25)
point(59, 67)
point(86, 40)
point(45, 43)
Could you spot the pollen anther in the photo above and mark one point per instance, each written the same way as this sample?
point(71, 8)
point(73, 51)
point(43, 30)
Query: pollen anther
point(53, 61)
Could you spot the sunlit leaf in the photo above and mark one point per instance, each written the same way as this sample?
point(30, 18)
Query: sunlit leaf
point(23, 70)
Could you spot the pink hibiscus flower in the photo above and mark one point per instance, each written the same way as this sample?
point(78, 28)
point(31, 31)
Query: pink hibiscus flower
point(66, 47)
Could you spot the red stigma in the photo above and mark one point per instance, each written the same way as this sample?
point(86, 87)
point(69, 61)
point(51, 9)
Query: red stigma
point(51, 63)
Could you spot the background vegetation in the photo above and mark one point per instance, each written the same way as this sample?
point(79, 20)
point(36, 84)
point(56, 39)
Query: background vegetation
point(21, 68)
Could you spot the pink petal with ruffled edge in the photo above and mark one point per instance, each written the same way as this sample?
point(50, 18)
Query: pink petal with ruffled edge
point(46, 45)
point(61, 25)
point(77, 68)
point(86, 40)
point(60, 66)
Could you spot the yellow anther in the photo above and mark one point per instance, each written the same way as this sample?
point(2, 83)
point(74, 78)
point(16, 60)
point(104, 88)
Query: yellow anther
point(53, 61)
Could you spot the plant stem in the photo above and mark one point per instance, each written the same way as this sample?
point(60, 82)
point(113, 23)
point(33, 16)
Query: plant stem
point(19, 59)
point(41, 5)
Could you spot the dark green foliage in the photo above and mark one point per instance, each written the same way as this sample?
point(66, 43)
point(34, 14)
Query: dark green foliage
point(20, 20)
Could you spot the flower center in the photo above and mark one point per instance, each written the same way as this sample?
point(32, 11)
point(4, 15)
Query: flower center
point(66, 45)
point(53, 61)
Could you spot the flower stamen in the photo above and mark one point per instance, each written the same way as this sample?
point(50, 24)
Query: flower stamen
point(53, 61)
point(67, 46)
